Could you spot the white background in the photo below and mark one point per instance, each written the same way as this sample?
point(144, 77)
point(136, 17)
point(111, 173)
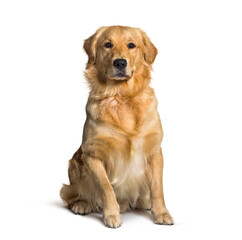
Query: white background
point(197, 79)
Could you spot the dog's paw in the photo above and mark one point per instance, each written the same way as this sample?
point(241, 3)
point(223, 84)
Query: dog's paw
point(143, 203)
point(81, 207)
point(112, 221)
point(123, 206)
point(163, 218)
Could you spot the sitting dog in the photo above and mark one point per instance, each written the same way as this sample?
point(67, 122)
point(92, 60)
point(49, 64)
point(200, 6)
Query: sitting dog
point(119, 165)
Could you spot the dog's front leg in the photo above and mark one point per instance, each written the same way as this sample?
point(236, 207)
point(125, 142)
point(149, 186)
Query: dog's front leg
point(111, 213)
point(158, 207)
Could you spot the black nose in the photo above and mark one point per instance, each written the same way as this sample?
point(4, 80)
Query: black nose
point(120, 63)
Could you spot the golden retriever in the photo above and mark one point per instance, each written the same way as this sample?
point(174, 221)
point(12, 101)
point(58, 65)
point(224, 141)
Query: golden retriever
point(119, 164)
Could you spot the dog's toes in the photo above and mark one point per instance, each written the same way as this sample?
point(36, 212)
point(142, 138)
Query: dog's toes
point(163, 218)
point(112, 221)
point(81, 207)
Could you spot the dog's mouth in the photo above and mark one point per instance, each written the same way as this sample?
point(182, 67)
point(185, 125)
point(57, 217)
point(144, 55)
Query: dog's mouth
point(120, 76)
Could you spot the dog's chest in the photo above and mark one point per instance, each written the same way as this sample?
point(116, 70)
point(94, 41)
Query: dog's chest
point(117, 111)
point(127, 173)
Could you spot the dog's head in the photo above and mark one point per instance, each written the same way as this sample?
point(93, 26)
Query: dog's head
point(118, 52)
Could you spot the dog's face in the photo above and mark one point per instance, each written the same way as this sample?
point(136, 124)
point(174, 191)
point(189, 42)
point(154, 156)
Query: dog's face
point(119, 52)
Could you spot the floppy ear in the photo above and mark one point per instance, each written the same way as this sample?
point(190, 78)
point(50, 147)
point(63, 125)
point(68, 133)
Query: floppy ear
point(150, 51)
point(90, 45)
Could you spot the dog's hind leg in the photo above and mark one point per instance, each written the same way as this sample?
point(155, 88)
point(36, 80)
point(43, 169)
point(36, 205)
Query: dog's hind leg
point(124, 206)
point(80, 207)
point(143, 203)
point(69, 193)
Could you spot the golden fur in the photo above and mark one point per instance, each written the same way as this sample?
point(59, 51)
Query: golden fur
point(119, 164)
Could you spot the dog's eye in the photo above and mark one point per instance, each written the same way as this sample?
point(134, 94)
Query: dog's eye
point(131, 45)
point(108, 45)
